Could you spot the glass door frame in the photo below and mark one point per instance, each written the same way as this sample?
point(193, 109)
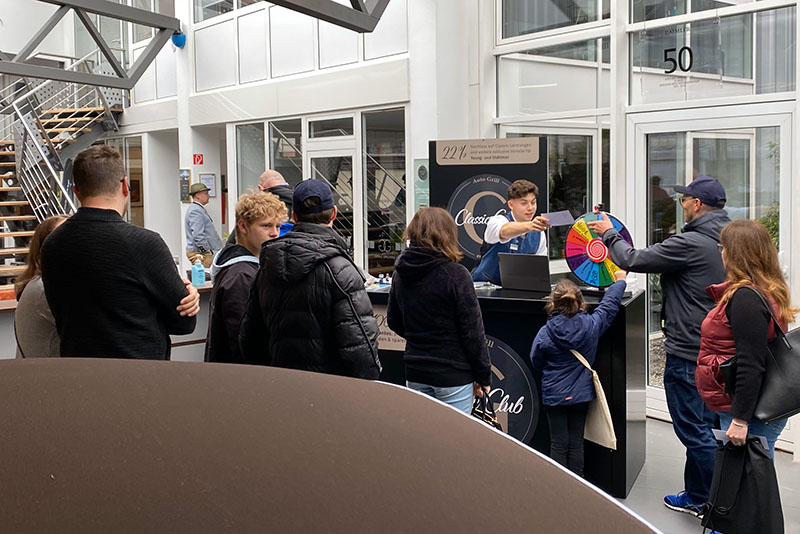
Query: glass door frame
point(343, 148)
point(703, 120)
point(580, 129)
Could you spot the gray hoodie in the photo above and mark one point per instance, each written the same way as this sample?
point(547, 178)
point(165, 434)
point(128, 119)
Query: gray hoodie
point(689, 262)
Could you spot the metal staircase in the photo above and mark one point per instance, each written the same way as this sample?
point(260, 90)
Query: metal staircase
point(43, 125)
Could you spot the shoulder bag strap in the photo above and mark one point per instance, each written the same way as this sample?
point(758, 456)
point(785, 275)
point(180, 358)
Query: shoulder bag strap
point(581, 358)
point(778, 330)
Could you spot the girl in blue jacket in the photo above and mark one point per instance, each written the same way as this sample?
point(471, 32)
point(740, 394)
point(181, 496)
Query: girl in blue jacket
point(567, 386)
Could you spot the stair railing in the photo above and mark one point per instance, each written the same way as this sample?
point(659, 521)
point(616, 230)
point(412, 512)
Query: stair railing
point(35, 173)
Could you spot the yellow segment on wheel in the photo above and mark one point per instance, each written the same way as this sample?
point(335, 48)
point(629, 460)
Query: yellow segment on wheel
point(582, 229)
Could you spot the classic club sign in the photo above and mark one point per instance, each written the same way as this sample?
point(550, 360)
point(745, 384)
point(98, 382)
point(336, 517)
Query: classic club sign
point(514, 394)
point(470, 178)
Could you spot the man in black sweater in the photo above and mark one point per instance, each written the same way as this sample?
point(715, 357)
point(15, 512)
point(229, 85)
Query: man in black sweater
point(112, 286)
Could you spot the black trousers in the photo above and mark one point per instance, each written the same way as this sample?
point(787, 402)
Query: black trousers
point(566, 435)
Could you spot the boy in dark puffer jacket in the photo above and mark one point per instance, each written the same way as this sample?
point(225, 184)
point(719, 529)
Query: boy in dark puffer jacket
point(308, 308)
point(567, 387)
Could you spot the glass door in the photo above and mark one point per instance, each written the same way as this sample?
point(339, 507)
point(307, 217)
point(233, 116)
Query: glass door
point(335, 167)
point(743, 152)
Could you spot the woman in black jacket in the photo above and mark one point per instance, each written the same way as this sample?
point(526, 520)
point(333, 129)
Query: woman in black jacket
point(432, 304)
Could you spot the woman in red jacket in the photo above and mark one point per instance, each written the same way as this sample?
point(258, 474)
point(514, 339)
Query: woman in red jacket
point(741, 325)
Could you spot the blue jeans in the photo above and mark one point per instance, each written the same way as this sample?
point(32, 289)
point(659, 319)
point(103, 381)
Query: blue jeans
point(459, 397)
point(692, 422)
point(771, 431)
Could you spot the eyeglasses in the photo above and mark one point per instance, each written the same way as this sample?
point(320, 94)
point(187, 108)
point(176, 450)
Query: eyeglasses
point(684, 199)
point(720, 247)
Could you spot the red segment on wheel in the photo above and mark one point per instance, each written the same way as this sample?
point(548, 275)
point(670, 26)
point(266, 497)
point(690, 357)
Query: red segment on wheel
point(596, 250)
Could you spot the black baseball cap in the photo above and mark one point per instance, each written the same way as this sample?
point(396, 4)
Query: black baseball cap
point(707, 189)
point(312, 188)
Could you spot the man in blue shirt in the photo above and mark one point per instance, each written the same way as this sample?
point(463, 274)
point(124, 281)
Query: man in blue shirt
point(516, 232)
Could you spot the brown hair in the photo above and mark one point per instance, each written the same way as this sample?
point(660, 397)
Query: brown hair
point(322, 217)
point(97, 171)
point(255, 205)
point(435, 228)
point(34, 266)
point(565, 299)
point(751, 259)
point(522, 188)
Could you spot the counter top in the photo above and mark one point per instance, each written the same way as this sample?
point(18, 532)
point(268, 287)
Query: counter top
point(7, 306)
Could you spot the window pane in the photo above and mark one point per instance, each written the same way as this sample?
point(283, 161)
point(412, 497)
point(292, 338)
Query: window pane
point(205, 9)
point(133, 164)
point(141, 33)
point(656, 9)
point(385, 171)
point(249, 155)
point(715, 58)
point(165, 7)
point(243, 3)
point(521, 17)
point(554, 78)
point(286, 149)
point(330, 128)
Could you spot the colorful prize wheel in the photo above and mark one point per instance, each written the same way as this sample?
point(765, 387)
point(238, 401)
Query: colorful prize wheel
point(586, 254)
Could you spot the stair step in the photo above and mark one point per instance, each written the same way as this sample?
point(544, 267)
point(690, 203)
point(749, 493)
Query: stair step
point(13, 251)
point(11, 270)
point(7, 164)
point(20, 233)
point(17, 218)
point(14, 203)
point(2, 142)
point(61, 130)
point(58, 111)
point(70, 119)
point(7, 153)
point(10, 189)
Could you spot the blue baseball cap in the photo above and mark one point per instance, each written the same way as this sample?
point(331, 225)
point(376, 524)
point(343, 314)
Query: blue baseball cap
point(707, 189)
point(312, 188)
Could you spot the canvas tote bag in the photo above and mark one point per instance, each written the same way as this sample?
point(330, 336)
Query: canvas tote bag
point(599, 427)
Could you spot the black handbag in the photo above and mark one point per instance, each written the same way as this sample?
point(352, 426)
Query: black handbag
point(483, 409)
point(744, 495)
point(779, 397)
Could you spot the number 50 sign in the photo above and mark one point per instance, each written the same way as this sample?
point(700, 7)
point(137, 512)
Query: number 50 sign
point(684, 59)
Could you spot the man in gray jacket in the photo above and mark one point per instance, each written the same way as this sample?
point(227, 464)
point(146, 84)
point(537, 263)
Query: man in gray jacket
point(201, 236)
point(688, 262)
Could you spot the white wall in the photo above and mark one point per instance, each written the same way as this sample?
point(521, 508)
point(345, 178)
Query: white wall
point(20, 20)
point(161, 190)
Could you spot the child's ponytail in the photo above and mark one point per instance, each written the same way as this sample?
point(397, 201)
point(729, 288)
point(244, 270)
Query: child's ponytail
point(565, 299)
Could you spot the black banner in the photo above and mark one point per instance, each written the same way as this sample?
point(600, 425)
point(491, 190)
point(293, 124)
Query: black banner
point(471, 178)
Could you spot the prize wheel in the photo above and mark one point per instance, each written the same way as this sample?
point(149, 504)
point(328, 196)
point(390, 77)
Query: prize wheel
point(586, 254)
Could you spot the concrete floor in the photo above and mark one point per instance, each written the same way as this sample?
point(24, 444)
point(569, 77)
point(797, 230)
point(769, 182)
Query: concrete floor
point(663, 473)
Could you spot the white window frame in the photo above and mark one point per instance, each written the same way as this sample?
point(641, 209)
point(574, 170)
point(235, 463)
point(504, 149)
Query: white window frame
point(702, 121)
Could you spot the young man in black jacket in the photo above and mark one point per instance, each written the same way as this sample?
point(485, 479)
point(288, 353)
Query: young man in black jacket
point(689, 262)
point(113, 287)
point(258, 220)
point(308, 308)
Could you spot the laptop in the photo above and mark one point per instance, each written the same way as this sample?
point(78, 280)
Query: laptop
point(526, 272)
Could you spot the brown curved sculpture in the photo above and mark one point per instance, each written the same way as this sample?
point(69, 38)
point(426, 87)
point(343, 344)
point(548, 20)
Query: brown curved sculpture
point(140, 446)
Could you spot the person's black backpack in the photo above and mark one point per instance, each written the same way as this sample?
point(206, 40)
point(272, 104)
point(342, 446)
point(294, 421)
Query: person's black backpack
point(744, 494)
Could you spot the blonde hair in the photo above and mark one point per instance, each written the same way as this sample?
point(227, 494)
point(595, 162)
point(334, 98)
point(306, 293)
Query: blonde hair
point(565, 299)
point(34, 266)
point(751, 259)
point(255, 205)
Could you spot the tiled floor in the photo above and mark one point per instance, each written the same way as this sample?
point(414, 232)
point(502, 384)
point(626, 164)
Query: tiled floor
point(663, 473)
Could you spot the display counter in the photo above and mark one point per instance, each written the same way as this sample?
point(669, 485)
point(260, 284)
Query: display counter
point(511, 320)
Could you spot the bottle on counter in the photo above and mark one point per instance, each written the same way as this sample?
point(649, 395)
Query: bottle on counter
point(198, 272)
